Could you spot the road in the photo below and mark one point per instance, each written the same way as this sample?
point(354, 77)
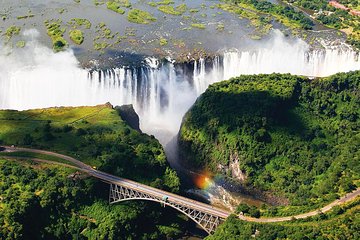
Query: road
point(348, 197)
point(130, 184)
point(176, 198)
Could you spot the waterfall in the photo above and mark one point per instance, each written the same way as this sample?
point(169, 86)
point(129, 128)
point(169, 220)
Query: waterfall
point(318, 63)
point(160, 90)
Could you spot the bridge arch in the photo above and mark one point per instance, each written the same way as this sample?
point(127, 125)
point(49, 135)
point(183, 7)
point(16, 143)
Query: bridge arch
point(206, 221)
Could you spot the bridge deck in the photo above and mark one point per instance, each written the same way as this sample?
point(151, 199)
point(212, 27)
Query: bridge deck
point(223, 214)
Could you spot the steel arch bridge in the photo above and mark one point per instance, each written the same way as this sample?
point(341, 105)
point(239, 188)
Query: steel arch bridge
point(207, 221)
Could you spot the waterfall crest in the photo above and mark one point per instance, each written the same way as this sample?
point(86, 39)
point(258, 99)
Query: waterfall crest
point(160, 90)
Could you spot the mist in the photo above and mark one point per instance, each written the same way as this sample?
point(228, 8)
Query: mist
point(160, 91)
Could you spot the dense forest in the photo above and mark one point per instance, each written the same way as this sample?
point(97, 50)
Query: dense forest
point(293, 137)
point(340, 223)
point(39, 201)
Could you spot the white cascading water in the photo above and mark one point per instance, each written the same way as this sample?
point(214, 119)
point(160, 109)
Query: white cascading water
point(161, 92)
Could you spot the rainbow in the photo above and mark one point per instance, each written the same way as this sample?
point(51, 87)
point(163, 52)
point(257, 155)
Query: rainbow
point(204, 181)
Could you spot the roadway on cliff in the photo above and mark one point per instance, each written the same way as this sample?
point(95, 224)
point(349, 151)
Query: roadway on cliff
point(173, 197)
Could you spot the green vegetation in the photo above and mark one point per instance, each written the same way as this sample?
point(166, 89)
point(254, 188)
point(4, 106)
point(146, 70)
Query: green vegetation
point(104, 32)
point(77, 22)
point(69, 205)
point(61, 10)
point(97, 3)
point(100, 45)
point(95, 135)
point(76, 36)
point(262, 24)
point(163, 42)
point(101, 41)
point(178, 10)
point(56, 34)
point(30, 15)
point(194, 10)
point(115, 6)
point(20, 44)
point(340, 223)
point(140, 17)
point(164, 2)
point(220, 27)
point(198, 25)
point(11, 31)
point(284, 14)
point(293, 137)
point(336, 18)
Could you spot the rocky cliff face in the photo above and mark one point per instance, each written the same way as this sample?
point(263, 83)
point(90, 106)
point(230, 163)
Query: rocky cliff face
point(128, 114)
point(233, 169)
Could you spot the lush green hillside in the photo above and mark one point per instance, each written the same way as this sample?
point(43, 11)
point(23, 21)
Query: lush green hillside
point(39, 201)
point(288, 135)
point(95, 135)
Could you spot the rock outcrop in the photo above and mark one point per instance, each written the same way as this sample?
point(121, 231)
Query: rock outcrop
point(128, 114)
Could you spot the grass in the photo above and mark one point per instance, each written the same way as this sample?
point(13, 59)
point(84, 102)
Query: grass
point(163, 42)
point(76, 36)
point(65, 123)
point(25, 16)
point(97, 3)
point(194, 10)
point(56, 34)
point(61, 10)
point(104, 34)
point(140, 17)
point(262, 26)
point(115, 6)
point(179, 10)
point(94, 135)
point(11, 31)
point(20, 44)
point(220, 27)
point(100, 46)
point(198, 25)
point(164, 2)
point(80, 22)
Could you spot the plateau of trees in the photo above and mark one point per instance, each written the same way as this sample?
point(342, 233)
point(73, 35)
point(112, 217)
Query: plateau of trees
point(294, 137)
